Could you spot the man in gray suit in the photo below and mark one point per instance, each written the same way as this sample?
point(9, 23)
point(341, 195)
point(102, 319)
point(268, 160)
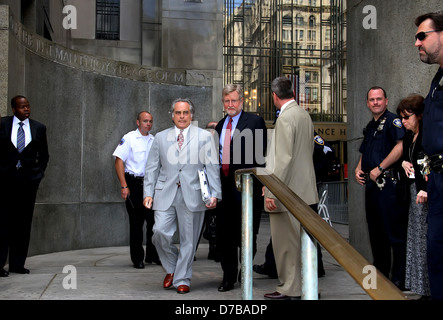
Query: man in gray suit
point(172, 189)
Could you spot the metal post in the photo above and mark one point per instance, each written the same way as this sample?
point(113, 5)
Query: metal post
point(246, 247)
point(309, 276)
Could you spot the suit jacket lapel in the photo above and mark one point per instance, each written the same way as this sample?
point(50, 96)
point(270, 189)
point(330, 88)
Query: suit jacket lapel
point(241, 124)
point(191, 134)
point(171, 138)
point(33, 129)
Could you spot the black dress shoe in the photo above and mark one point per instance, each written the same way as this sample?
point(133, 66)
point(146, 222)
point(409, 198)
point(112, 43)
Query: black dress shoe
point(261, 269)
point(139, 265)
point(225, 286)
point(21, 270)
point(3, 273)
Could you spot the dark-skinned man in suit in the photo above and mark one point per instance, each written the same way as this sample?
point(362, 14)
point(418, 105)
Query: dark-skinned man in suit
point(23, 160)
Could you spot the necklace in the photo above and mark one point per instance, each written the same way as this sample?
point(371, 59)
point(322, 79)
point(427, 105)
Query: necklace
point(412, 147)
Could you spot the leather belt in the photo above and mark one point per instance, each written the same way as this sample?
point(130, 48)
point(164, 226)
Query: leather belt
point(135, 180)
point(388, 174)
point(394, 175)
point(134, 177)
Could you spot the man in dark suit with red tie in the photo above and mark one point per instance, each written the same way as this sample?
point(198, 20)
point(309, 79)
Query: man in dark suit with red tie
point(242, 142)
point(23, 161)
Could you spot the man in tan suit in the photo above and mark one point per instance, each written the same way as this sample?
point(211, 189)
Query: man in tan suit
point(290, 159)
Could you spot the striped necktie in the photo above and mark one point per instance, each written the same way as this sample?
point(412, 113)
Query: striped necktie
point(20, 141)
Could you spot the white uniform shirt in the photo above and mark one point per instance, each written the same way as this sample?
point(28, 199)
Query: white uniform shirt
point(133, 150)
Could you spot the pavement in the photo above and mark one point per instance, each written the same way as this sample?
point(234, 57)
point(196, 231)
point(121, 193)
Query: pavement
point(108, 274)
point(65, 283)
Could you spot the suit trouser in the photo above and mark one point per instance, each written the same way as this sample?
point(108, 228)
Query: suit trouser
point(189, 224)
point(229, 222)
point(286, 243)
point(17, 201)
point(138, 215)
point(387, 219)
point(435, 235)
point(269, 263)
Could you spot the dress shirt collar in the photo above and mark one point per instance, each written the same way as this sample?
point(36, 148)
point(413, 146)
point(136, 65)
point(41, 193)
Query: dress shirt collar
point(285, 105)
point(185, 131)
point(16, 121)
point(234, 121)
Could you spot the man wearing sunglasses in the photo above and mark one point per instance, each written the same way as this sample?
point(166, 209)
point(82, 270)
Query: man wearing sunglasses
point(429, 41)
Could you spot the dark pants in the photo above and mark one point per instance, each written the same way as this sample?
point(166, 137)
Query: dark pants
point(435, 235)
point(138, 215)
point(17, 201)
point(387, 219)
point(229, 219)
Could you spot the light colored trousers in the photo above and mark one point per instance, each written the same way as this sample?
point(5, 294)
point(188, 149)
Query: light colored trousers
point(286, 243)
point(189, 224)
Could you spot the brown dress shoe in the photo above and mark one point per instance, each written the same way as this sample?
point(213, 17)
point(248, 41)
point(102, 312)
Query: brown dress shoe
point(183, 289)
point(276, 296)
point(167, 283)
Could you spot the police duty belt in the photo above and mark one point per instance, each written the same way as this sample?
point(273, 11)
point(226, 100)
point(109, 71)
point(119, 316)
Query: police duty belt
point(388, 174)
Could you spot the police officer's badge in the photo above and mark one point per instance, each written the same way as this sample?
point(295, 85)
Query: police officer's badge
point(122, 142)
point(319, 140)
point(397, 123)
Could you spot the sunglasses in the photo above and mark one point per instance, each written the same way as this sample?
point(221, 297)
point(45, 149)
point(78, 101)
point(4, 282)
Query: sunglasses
point(422, 35)
point(406, 117)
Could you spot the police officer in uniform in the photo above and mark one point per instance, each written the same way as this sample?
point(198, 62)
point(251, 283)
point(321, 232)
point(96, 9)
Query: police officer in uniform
point(323, 159)
point(429, 41)
point(379, 171)
point(130, 161)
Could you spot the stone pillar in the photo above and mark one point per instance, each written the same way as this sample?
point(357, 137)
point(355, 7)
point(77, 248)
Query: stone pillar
point(380, 51)
point(4, 52)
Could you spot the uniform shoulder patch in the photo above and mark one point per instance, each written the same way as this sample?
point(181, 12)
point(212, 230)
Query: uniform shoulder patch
point(122, 142)
point(397, 122)
point(319, 140)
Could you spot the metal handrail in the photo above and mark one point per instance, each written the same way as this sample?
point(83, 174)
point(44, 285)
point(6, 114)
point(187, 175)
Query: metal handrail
point(346, 255)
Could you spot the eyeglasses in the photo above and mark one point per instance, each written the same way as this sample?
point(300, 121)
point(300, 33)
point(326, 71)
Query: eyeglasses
point(230, 101)
point(422, 35)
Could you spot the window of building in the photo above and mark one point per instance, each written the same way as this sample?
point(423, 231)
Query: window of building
point(312, 35)
point(312, 23)
point(108, 20)
point(261, 44)
point(311, 76)
point(299, 20)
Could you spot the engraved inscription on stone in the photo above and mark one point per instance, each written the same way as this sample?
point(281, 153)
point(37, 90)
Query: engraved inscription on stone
point(75, 59)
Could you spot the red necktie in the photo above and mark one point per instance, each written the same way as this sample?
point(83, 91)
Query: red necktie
point(180, 139)
point(226, 148)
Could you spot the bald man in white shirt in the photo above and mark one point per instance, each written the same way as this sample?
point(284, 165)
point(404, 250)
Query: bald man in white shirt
point(130, 162)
